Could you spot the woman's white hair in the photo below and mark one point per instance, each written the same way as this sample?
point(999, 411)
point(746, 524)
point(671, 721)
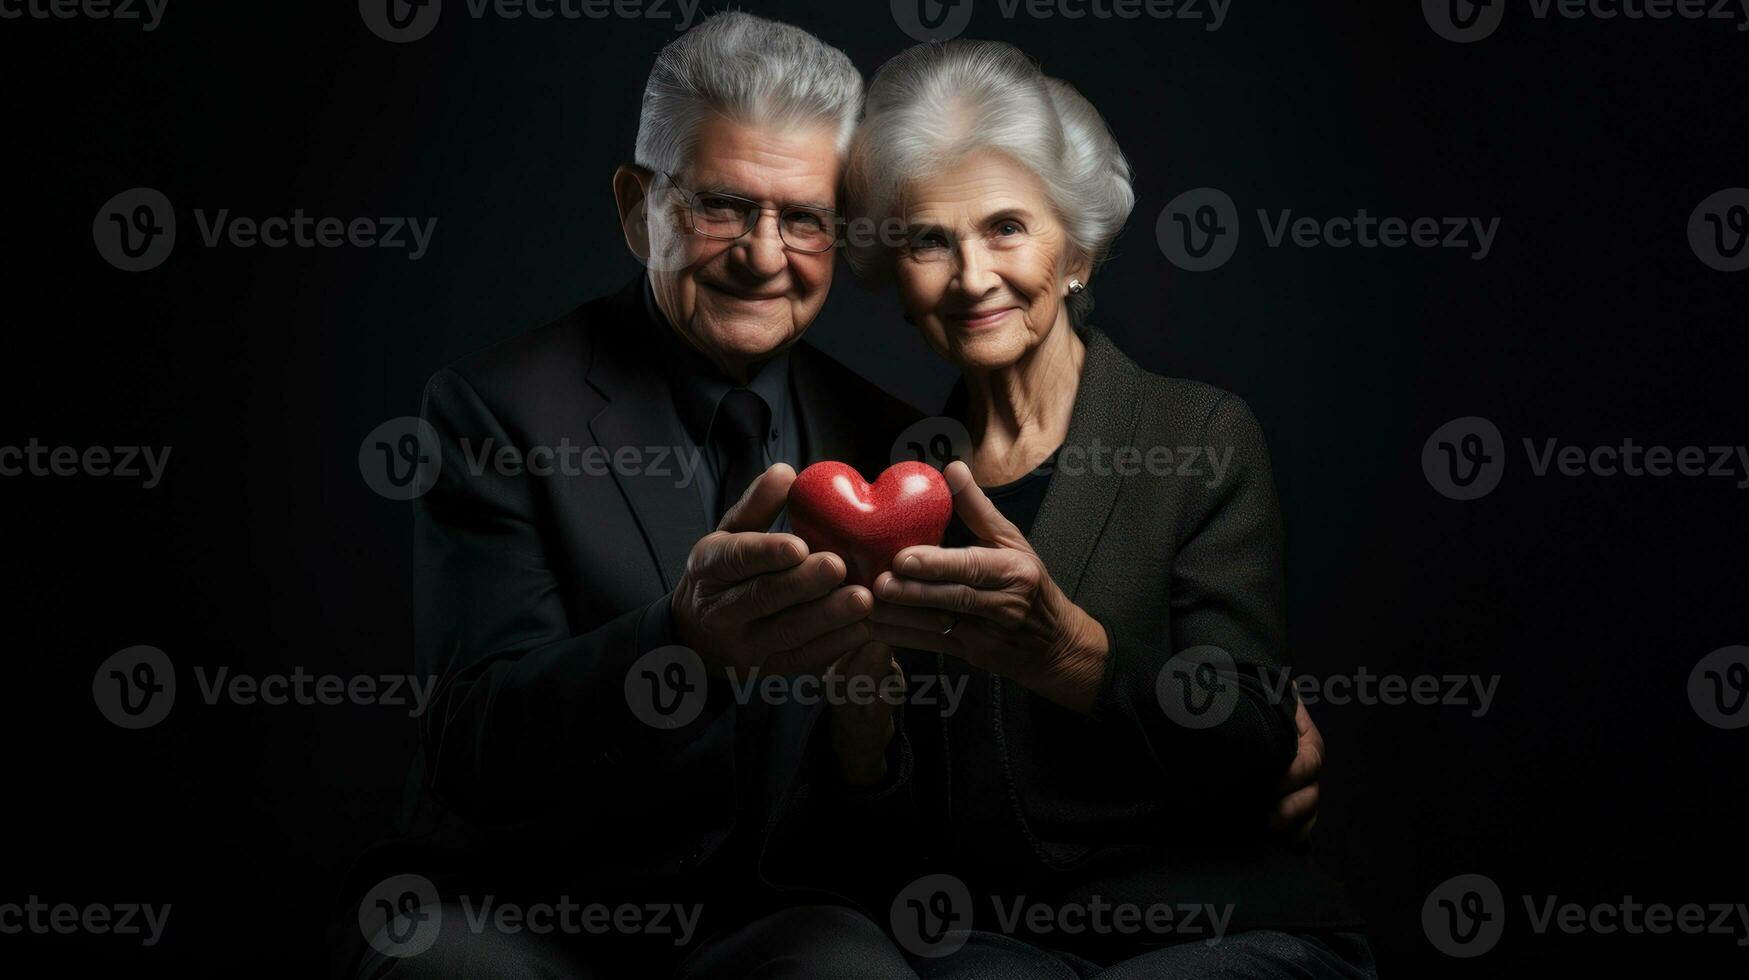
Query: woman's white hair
point(936, 102)
point(749, 69)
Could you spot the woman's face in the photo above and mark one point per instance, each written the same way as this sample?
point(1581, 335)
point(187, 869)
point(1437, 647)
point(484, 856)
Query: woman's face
point(987, 265)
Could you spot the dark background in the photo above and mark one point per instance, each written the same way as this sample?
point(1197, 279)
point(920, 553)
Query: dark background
point(1591, 598)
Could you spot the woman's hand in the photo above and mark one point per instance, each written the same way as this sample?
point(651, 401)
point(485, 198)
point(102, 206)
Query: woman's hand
point(1296, 811)
point(992, 605)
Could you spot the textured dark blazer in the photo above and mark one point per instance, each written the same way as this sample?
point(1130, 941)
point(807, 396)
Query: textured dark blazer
point(1127, 803)
point(534, 595)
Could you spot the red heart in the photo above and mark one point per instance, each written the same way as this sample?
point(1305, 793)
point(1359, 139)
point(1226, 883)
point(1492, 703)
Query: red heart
point(833, 508)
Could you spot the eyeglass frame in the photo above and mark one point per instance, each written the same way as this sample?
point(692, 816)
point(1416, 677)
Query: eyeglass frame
point(691, 198)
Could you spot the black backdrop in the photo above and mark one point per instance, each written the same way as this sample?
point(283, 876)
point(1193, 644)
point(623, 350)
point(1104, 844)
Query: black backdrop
point(1591, 320)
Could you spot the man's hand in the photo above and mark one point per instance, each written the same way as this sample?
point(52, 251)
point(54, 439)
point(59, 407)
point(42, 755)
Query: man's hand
point(1297, 808)
point(749, 598)
point(862, 724)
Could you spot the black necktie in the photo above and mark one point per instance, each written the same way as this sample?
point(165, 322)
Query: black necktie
point(738, 434)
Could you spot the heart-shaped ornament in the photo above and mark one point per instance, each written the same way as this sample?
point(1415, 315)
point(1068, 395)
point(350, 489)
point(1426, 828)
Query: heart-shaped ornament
point(833, 508)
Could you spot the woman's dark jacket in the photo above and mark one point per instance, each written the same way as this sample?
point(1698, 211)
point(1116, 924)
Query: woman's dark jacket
point(1161, 521)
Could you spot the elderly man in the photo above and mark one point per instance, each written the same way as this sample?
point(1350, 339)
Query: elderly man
point(537, 596)
point(574, 756)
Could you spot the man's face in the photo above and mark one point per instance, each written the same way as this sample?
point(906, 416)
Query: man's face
point(739, 302)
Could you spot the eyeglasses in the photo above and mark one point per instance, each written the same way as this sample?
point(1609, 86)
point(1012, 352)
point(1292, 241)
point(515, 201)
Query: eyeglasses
point(726, 217)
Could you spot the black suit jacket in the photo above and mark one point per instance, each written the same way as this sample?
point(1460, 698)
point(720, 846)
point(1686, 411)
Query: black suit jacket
point(1017, 795)
point(534, 595)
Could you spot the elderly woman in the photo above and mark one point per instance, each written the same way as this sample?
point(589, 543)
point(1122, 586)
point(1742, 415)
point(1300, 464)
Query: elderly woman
point(1118, 616)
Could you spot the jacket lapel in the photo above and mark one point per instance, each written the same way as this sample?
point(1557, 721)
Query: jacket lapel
point(1076, 506)
point(825, 433)
point(640, 414)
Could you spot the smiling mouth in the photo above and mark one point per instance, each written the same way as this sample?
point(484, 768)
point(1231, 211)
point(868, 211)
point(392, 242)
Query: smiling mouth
point(744, 297)
point(981, 319)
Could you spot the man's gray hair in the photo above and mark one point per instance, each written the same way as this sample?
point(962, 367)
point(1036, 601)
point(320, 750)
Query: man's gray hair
point(752, 70)
point(935, 103)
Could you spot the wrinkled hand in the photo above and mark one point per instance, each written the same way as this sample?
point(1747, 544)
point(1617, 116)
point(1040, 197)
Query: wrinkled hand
point(992, 605)
point(749, 598)
point(862, 723)
point(1296, 811)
